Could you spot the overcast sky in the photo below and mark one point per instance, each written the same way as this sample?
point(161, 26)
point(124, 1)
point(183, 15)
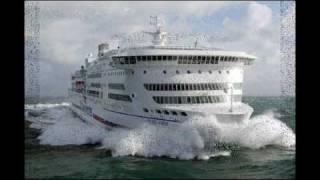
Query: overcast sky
point(69, 31)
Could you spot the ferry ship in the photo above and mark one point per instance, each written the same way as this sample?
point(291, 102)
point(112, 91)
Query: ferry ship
point(160, 84)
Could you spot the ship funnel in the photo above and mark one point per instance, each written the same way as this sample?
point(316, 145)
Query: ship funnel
point(102, 48)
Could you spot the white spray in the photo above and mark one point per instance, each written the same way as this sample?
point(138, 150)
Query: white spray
point(199, 138)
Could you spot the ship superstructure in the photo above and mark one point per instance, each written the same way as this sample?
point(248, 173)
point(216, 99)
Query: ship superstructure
point(160, 84)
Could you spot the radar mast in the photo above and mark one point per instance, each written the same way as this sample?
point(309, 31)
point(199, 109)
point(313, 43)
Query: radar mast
point(159, 35)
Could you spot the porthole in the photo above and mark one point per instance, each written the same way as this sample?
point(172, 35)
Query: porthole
point(145, 110)
point(227, 72)
point(177, 72)
point(166, 112)
point(158, 111)
point(174, 113)
point(210, 72)
point(183, 114)
point(132, 95)
point(219, 72)
point(164, 72)
point(188, 72)
point(199, 71)
point(144, 72)
point(132, 72)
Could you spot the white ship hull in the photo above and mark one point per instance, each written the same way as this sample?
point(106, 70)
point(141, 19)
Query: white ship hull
point(110, 117)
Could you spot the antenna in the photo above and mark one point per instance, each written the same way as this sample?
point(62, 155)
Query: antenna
point(231, 98)
point(159, 36)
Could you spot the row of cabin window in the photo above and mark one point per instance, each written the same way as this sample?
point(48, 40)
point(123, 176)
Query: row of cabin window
point(95, 85)
point(181, 59)
point(187, 99)
point(116, 86)
point(77, 90)
point(166, 112)
point(118, 73)
point(94, 75)
point(208, 59)
point(188, 72)
point(190, 87)
point(192, 99)
point(96, 94)
point(119, 97)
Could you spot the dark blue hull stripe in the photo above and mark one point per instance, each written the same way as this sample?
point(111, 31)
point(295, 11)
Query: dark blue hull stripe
point(142, 116)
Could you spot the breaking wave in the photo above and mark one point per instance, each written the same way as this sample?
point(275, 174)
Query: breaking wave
point(199, 138)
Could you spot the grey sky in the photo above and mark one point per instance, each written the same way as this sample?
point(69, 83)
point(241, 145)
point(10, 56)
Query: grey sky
point(70, 30)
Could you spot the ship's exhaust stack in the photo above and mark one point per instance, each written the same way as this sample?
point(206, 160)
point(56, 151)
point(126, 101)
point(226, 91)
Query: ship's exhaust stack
point(102, 48)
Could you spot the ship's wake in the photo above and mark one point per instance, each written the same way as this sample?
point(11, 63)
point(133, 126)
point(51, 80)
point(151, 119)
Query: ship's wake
point(196, 139)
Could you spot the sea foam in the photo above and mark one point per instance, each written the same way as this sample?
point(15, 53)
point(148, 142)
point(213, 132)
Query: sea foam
point(199, 138)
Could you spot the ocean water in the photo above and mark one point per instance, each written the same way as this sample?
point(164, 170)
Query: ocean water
point(59, 145)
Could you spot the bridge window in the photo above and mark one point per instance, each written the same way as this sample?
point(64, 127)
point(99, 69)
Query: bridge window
point(138, 58)
point(174, 58)
point(203, 61)
point(189, 59)
point(199, 60)
point(154, 58)
point(194, 60)
point(185, 60)
point(164, 58)
point(144, 58)
point(169, 58)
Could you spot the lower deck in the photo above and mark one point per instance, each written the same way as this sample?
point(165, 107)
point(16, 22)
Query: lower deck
point(133, 115)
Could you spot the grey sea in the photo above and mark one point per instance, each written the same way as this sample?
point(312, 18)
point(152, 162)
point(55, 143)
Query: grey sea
point(50, 152)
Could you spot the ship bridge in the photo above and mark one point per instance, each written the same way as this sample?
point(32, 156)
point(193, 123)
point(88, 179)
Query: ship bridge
point(150, 56)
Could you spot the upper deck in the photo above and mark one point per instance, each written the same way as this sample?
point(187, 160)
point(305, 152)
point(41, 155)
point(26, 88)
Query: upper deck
point(178, 55)
point(162, 54)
